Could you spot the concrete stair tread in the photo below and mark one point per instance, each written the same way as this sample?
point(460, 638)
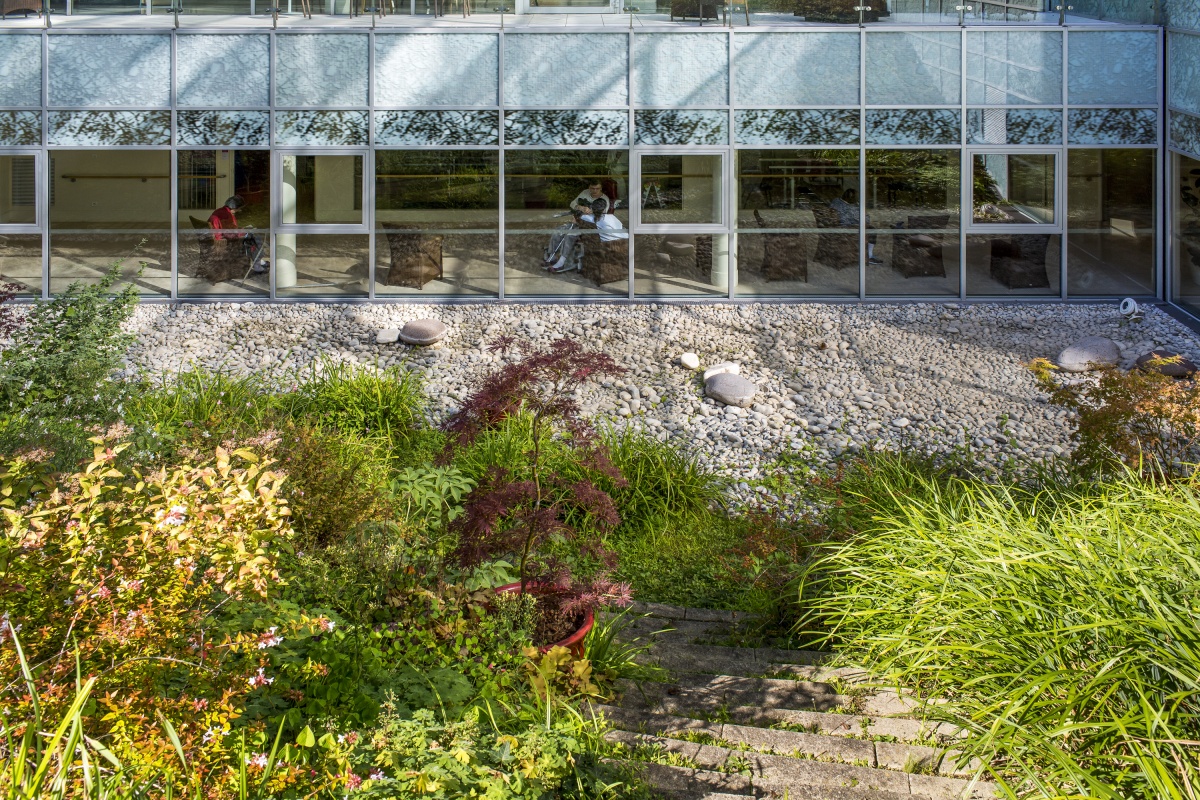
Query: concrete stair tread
point(685, 783)
point(711, 692)
point(780, 774)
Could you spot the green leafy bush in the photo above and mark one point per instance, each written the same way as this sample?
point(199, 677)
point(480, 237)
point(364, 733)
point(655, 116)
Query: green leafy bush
point(1062, 625)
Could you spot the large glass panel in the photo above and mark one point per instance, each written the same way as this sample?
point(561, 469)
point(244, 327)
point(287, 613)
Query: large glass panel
point(797, 219)
point(1002, 264)
point(21, 76)
point(671, 126)
point(1112, 67)
point(437, 216)
point(1015, 189)
point(322, 190)
point(436, 128)
point(224, 224)
point(681, 190)
point(566, 70)
point(1008, 68)
point(223, 71)
point(912, 219)
point(680, 69)
point(1110, 222)
point(1184, 132)
point(1185, 200)
point(108, 128)
point(1113, 126)
point(109, 206)
point(98, 70)
point(914, 68)
point(21, 262)
point(546, 251)
point(322, 265)
point(321, 128)
point(913, 126)
point(1014, 126)
point(1183, 57)
point(322, 69)
point(1182, 14)
point(830, 126)
point(774, 70)
point(20, 128)
point(681, 264)
point(18, 190)
point(440, 69)
point(558, 127)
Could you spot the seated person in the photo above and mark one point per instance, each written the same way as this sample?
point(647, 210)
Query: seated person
point(846, 207)
point(224, 223)
point(609, 226)
point(584, 200)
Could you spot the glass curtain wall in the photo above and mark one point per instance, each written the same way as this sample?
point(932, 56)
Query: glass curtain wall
point(224, 224)
point(682, 199)
point(912, 221)
point(111, 207)
point(798, 220)
point(20, 242)
point(1185, 198)
point(1111, 222)
point(437, 217)
point(552, 246)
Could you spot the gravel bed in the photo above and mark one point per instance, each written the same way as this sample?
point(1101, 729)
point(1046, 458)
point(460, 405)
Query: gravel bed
point(830, 378)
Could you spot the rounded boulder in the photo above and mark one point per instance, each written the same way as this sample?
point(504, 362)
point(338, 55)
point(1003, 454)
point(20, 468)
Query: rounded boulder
point(1090, 352)
point(730, 389)
point(423, 332)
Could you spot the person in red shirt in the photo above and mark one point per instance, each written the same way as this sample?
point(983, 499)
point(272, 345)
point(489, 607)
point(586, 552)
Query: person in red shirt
point(225, 227)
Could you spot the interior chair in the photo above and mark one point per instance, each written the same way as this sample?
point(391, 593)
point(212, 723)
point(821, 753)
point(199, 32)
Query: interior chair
point(416, 258)
point(686, 255)
point(1019, 261)
point(218, 260)
point(24, 6)
point(835, 250)
point(603, 262)
point(785, 255)
point(693, 9)
point(920, 254)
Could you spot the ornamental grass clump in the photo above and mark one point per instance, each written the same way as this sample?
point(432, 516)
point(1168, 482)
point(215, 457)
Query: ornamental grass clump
point(1061, 627)
point(517, 510)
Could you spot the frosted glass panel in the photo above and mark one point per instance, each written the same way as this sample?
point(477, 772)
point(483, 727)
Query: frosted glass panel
point(224, 71)
point(1014, 67)
point(795, 69)
point(572, 70)
point(690, 69)
point(110, 70)
point(437, 127)
point(224, 128)
point(20, 127)
point(421, 69)
point(920, 126)
point(109, 128)
point(1182, 14)
point(681, 127)
point(914, 68)
point(1117, 67)
point(1014, 126)
point(1183, 56)
point(1185, 133)
point(329, 128)
point(326, 69)
point(796, 126)
point(20, 71)
point(566, 127)
point(1112, 126)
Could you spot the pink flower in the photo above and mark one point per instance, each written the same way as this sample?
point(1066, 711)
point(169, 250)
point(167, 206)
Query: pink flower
point(269, 639)
point(131, 586)
point(326, 624)
point(259, 679)
point(176, 516)
point(377, 775)
point(259, 760)
point(353, 781)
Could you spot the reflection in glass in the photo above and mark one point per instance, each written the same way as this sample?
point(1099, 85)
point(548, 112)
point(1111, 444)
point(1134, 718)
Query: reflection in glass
point(912, 220)
point(546, 251)
point(18, 201)
point(1013, 189)
point(681, 190)
point(1001, 264)
point(110, 206)
point(1186, 223)
point(322, 265)
point(798, 218)
point(437, 218)
point(681, 264)
point(224, 223)
point(1110, 222)
point(322, 189)
point(21, 262)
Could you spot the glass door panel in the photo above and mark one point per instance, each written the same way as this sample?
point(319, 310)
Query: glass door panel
point(681, 189)
point(1013, 189)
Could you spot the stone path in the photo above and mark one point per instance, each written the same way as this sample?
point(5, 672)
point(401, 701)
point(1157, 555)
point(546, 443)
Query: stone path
point(741, 722)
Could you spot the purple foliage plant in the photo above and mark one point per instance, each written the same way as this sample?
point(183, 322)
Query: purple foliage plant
point(510, 513)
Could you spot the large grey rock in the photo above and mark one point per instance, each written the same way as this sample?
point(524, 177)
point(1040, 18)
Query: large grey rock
point(1180, 367)
point(730, 389)
point(1090, 352)
point(423, 332)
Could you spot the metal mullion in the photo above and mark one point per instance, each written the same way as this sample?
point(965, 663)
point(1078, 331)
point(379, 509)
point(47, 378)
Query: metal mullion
point(1064, 243)
point(368, 168)
point(1160, 174)
point(629, 251)
point(502, 230)
point(862, 163)
point(966, 203)
point(274, 177)
point(732, 195)
point(173, 102)
point(45, 177)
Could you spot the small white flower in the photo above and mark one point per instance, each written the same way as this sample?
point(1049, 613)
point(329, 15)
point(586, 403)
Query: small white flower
point(377, 775)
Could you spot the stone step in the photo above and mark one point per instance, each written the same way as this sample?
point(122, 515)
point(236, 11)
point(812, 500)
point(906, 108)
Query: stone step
point(685, 783)
point(785, 774)
point(707, 694)
point(890, 755)
point(668, 612)
point(709, 659)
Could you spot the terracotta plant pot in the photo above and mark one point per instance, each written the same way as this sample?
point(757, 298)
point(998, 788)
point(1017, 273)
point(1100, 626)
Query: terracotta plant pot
point(574, 642)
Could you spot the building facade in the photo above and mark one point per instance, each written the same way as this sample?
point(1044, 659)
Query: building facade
point(814, 152)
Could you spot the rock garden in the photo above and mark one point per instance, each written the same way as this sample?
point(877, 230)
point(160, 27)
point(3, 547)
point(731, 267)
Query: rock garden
point(655, 551)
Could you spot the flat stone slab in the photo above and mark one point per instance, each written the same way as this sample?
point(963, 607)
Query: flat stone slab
point(1176, 367)
point(387, 336)
point(1090, 352)
point(423, 332)
point(721, 369)
point(730, 389)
